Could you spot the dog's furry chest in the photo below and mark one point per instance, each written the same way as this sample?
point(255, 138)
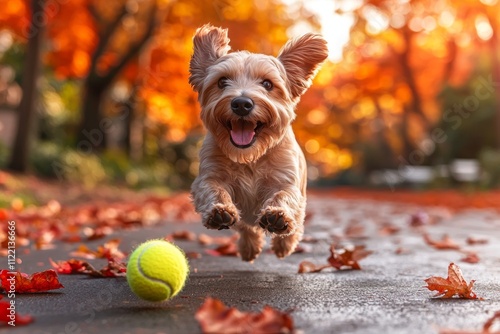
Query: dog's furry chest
point(248, 190)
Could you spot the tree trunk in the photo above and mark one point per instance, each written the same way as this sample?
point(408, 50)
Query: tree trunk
point(92, 134)
point(495, 55)
point(19, 158)
point(416, 101)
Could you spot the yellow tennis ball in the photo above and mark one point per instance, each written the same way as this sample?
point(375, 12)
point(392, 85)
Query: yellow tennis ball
point(157, 270)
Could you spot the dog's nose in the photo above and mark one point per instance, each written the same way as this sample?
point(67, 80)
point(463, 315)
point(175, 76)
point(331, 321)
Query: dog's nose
point(242, 105)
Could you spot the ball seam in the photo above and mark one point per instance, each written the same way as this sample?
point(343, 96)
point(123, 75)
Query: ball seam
point(139, 267)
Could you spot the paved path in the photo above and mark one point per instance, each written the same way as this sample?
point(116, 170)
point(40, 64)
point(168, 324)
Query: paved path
point(387, 296)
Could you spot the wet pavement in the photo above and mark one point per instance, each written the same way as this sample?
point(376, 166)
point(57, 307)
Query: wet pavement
point(386, 296)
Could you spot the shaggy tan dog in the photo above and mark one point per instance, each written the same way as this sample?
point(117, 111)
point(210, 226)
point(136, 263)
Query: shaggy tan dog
point(252, 175)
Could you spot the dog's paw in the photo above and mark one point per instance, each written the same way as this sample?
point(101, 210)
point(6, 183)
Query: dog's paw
point(221, 217)
point(284, 246)
point(276, 221)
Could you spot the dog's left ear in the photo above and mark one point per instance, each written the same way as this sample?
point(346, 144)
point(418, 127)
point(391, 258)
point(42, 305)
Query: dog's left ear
point(301, 58)
point(210, 43)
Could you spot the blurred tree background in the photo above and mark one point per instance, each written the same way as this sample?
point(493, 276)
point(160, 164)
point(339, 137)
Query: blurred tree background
point(97, 91)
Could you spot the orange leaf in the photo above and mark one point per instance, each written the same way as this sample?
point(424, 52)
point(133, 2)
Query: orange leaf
point(445, 243)
point(309, 267)
point(453, 285)
point(342, 258)
point(215, 317)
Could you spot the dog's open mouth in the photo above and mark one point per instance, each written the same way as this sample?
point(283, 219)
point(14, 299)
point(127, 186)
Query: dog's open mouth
point(243, 132)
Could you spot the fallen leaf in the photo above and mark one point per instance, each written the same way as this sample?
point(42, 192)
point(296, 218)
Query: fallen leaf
point(446, 243)
point(470, 257)
point(215, 317)
point(73, 266)
point(38, 282)
point(453, 285)
point(181, 235)
point(205, 239)
point(309, 267)
point(347, 258)
point(6, 316)
point(108, 250)
point(476, 241)
point(69, 267)
point(224, 250)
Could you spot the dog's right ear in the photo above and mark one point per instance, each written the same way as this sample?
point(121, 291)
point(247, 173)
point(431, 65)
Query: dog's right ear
point(210, 43)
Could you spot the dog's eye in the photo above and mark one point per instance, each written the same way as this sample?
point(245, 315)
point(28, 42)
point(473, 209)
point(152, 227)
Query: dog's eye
point(268, 85)
point(223, 82)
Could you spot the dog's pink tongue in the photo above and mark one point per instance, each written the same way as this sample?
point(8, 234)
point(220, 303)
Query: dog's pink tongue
point(242, 132)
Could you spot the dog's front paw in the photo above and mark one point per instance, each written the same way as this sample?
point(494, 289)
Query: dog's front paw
point(275, 220)
point(221, 217)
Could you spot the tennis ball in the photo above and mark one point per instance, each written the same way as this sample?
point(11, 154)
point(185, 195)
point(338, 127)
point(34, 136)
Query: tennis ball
point(157, 270)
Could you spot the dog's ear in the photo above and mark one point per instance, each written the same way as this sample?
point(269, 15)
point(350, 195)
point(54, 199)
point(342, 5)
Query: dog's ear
point(301, 58)
point(210, 43)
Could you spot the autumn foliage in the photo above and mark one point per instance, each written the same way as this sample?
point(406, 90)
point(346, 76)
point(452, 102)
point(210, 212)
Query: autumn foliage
point(215, 317)
point(453, 285)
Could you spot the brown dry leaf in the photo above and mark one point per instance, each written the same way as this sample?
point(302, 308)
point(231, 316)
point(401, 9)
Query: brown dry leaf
point(215, 317)
point(446, 243)
point(309, 267)
point(224, 250)
point(486, 327)
point(205, 239)
point(347, 258)
point(181, 235)
point(453, 285)
point(476, 241)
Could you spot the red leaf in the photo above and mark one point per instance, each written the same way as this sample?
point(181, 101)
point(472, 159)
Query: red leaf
point(445, 243)
point(38, 282)
point(73, 266)
point(347, 258)
point(224, 250)
point(69, 267)
point(7, 315)
point(453, 285)
point(215, 317)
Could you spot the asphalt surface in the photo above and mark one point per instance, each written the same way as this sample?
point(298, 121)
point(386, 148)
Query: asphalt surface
point(386, 296)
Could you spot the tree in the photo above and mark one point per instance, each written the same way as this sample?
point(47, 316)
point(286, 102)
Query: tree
point(25, 125)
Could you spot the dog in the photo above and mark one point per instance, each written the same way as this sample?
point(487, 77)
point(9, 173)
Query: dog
point(252, 175)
